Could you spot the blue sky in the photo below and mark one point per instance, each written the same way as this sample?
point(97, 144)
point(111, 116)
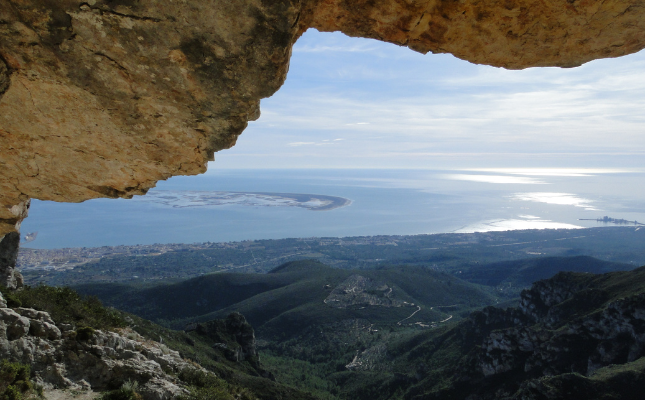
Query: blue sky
point(360, 103)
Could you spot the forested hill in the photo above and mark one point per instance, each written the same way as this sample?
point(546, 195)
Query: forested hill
point(522, 273)
point(303, 291)
point(308, 283)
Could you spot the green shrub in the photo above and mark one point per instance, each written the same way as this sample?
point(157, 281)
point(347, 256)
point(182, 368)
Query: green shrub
point(14, 381)
point(195, 377)
point(209, 393)
point(24, 386)
point(11, 372)
point(12, 300)
point(205, 386)
point(66, 306)
point(12, 393)
point(127, 391)
point(84, 333)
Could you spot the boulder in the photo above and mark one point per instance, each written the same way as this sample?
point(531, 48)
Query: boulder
point(12, 325)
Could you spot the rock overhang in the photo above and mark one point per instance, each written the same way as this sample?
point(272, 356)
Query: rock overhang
point(104, 98)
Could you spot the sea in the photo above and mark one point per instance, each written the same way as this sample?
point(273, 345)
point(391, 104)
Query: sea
point(382, 202)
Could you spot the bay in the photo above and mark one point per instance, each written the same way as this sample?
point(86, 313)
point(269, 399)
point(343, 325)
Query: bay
point(383, 202)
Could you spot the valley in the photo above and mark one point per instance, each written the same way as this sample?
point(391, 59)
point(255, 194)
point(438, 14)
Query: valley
point(412, 332)
point(482, 316)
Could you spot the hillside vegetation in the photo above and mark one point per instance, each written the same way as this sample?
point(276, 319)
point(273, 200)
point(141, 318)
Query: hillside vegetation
point(512, 276)
point(292, 297)
point(576, 335)
point(378, 333)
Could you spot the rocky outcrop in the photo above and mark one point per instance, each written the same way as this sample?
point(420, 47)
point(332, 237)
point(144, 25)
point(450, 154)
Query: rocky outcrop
point(575, 335)
point(233, 336)
point(61, 356)
point(505, 33)
point(370, 359)
point(624, 382)
point(9, 276)
point(559, 332)
point(128, 93)
point(543, 301)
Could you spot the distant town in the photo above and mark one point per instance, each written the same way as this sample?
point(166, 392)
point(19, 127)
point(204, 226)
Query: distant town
point(609, 220)
point(442, 251)
point(69, 258)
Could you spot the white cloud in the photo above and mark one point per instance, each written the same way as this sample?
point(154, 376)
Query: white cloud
point(425, 108)
point(297, 144)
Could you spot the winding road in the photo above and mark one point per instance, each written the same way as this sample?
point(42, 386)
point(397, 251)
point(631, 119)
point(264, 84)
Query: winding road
point(419, 309)
point(411, 315)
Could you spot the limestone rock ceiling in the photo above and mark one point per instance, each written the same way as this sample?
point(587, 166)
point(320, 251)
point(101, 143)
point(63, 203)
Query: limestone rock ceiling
point(104, 98)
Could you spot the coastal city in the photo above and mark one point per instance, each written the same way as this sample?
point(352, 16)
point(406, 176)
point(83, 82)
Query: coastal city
point(69, 258)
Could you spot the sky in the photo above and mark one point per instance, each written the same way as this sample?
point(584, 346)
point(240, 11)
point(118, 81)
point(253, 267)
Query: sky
point(360, 103)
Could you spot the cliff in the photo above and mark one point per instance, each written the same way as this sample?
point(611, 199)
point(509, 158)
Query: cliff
point(233, 335)
point(573, 330)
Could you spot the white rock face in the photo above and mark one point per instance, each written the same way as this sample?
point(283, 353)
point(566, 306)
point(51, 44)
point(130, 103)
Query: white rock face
point(106, 360)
